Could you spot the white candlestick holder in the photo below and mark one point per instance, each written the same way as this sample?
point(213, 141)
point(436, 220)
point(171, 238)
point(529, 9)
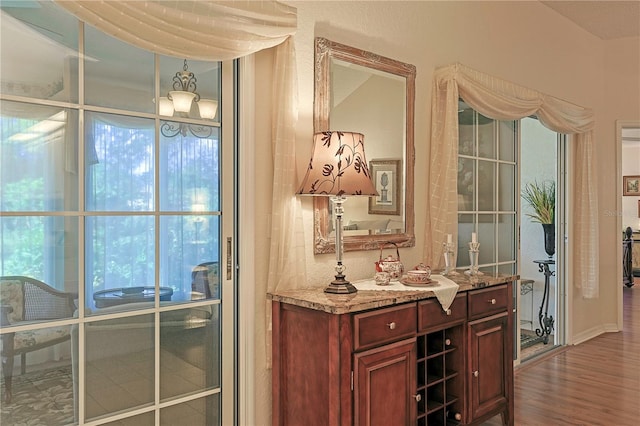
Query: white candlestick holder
point(449, 259)
point(474, 251)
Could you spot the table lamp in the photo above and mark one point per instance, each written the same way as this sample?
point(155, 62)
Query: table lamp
point(337, 169)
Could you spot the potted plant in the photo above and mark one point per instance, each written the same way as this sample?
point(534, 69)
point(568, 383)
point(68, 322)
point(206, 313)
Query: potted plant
point(542, 199)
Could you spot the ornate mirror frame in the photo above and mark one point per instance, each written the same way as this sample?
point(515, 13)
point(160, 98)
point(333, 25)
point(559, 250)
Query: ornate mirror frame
point(325, 51)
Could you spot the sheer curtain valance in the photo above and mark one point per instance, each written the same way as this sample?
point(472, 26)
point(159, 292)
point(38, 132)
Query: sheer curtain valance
point(204, 30)
point(503, 100)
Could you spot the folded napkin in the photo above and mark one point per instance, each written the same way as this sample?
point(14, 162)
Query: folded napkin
point(445, 289)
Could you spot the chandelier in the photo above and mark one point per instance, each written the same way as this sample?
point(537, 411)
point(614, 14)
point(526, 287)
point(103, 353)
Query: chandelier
point(179, 100)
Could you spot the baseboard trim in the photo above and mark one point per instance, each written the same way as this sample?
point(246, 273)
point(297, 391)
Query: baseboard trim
point(594, 332)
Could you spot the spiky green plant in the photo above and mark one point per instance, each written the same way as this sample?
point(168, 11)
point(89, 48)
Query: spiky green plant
point(542, 199)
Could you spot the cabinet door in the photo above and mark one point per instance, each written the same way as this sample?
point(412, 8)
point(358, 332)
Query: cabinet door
point(384, 385)
point(490, 365)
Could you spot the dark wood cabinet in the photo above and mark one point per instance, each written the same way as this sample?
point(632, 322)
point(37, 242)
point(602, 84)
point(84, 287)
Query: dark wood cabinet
point(488, 378)
point(384, 394)
point(408, 364)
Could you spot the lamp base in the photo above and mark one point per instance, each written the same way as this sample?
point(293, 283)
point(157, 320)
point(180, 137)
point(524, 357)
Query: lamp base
point(340, 286)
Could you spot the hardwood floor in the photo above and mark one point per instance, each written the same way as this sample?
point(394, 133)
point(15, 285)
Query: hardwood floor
point(592, 384)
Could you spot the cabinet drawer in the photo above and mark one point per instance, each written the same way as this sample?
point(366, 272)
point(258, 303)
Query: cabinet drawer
point(384, 325)
point(431, 315)
point(488, 301)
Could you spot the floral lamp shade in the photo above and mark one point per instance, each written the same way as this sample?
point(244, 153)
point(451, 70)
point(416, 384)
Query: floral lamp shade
point(338, 166)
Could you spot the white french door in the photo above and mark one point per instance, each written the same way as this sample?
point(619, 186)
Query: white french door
point(129, 207)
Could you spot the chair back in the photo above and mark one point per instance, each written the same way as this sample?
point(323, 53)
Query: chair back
point(205, 282)
point(12, 294)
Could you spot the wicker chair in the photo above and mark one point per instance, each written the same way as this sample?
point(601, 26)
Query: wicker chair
point(24, 299)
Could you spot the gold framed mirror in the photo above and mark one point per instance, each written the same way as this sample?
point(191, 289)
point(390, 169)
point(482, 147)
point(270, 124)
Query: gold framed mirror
point(360, 91)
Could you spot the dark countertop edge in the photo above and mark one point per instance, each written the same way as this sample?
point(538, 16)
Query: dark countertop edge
point(314, 298)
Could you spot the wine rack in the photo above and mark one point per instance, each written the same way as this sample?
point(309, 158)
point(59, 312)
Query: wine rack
point(440, 364)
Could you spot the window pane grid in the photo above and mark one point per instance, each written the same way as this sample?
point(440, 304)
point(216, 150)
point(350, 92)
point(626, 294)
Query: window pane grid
point(87, 202)
point(486, 204)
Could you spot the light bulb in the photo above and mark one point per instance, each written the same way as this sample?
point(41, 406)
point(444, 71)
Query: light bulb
point(166, 107)
point(208, 108)
point(182, 100)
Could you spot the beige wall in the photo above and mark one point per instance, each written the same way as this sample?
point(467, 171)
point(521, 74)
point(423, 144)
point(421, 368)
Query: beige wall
point(524, 42)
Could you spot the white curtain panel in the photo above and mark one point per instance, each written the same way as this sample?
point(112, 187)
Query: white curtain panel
point(219, 30)
point(503, 100)
point(287, 265)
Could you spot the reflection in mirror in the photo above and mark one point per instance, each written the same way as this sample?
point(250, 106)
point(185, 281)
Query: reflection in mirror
point(363, 92)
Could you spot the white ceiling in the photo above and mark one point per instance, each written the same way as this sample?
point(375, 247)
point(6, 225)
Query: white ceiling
point(606, 19)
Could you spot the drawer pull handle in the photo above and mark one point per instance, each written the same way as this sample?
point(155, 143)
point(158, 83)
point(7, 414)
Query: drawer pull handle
point(391, 325)
point(492, 301)
point(448, 311)
point(475, 373)
point(418, 397)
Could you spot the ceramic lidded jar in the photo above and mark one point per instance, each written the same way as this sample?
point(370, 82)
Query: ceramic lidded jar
point(390, 264)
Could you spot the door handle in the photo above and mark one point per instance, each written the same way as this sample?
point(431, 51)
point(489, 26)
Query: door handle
point(229, 258)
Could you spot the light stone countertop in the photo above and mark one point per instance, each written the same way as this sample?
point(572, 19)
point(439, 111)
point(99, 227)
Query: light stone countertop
point(315, 298)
